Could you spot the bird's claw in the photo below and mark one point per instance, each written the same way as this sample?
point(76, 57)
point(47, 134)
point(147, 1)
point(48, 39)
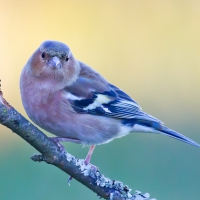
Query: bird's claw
point(61, 147)
point(69, 179)
point(93, 168)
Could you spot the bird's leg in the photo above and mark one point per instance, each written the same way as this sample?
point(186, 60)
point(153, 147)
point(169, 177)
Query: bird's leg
point(57, 140)
point(89, 155)
point(88, 158)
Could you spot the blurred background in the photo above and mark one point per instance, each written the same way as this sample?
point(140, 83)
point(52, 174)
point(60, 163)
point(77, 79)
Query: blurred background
point(150, 49)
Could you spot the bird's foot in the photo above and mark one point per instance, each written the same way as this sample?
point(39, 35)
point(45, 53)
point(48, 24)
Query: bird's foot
point(57, 140)
point(93, 168)
point(87, 161)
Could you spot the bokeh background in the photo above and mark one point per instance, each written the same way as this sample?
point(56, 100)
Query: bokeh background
point(150, 49)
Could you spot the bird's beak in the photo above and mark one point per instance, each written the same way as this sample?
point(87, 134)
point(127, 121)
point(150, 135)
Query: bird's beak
point(55, 62)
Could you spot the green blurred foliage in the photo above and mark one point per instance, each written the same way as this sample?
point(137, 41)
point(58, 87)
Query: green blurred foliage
point(148, 48)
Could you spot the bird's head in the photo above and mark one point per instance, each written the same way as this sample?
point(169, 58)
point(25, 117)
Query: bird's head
point(53, 61)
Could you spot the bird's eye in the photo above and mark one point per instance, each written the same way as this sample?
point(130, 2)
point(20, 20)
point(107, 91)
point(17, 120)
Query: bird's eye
point(43, 55)
point(67, 59)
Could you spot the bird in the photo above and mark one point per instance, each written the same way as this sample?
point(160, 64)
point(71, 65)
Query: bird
point(72, 101)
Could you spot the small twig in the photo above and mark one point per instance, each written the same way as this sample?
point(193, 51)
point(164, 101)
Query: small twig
point(51, 154)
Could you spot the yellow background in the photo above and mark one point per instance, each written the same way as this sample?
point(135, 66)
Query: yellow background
point(150, 49)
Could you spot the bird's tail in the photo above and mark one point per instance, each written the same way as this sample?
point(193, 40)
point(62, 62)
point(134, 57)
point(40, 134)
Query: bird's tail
point(176, 135)
point(157, 127)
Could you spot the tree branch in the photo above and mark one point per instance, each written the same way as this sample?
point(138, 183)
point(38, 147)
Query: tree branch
point(51, 154)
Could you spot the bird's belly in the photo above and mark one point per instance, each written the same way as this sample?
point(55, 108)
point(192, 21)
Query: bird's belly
point(88, 129)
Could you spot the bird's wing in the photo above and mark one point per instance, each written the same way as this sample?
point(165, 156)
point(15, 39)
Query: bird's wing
point(92, 94)
point(98, 97)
